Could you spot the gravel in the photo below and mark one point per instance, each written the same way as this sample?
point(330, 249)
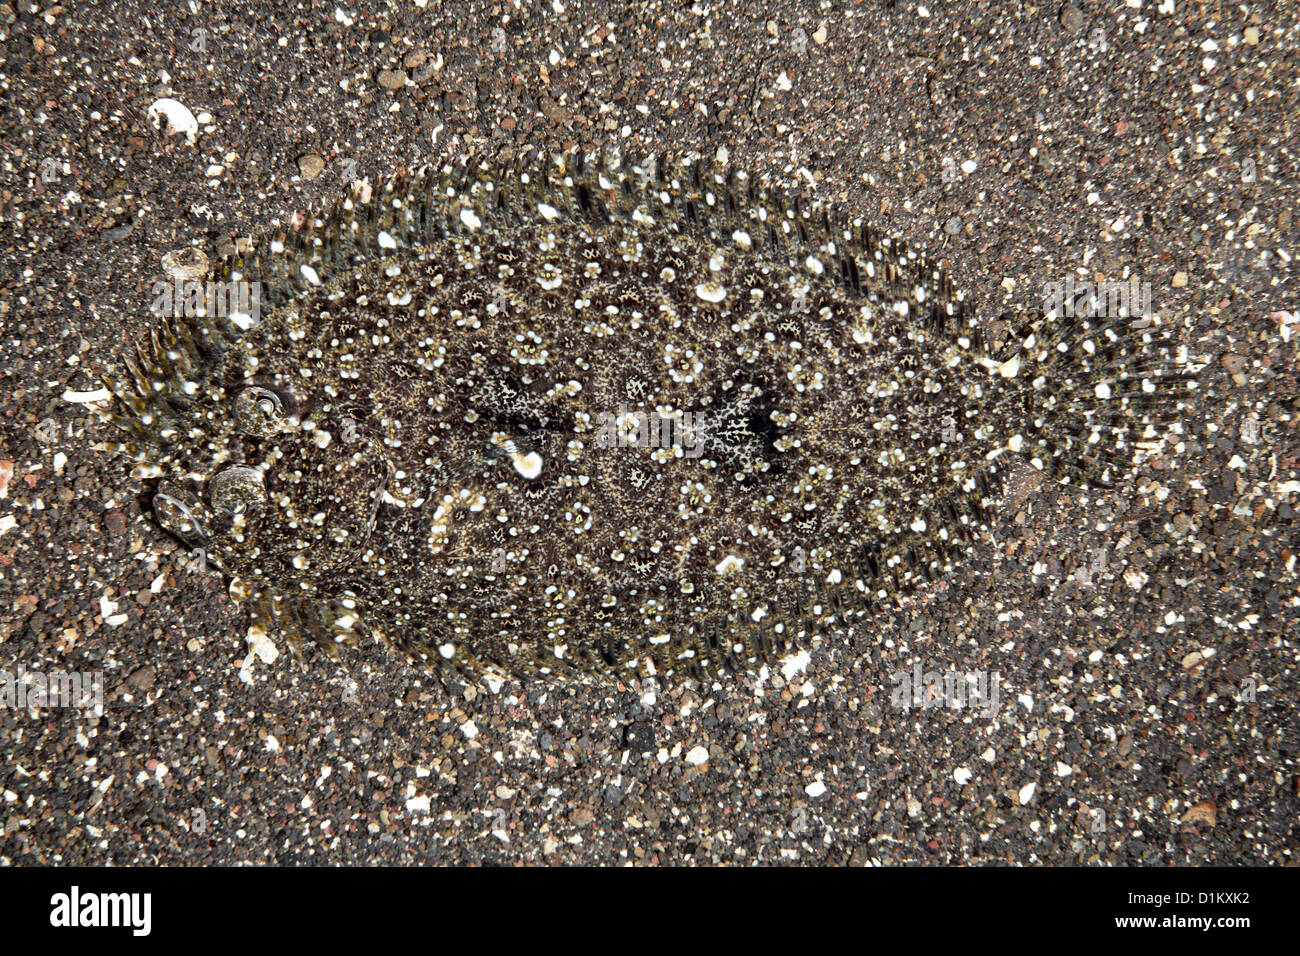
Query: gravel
point(1021, 144)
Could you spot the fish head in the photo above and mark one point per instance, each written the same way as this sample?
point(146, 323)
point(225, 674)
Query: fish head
point(284, 482)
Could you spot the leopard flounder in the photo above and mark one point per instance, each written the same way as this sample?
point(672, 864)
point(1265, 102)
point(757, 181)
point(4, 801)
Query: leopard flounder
point(567, 414)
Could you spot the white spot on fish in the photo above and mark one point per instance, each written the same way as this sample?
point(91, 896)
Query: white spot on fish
point(710, 292)
point(529, 465)
point(730, 563)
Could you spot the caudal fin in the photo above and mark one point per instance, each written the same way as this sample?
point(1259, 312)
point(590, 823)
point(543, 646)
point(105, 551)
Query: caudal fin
point(1104, 392)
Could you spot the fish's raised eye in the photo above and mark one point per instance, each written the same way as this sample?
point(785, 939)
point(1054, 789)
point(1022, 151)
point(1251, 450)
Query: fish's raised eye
point(238, 490)
point(259, 412)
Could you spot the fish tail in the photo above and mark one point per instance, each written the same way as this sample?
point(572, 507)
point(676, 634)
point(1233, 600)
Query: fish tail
point(1100, 393)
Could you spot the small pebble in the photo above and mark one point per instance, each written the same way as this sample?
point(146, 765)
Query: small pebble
point(141, 679)
point(310, 165)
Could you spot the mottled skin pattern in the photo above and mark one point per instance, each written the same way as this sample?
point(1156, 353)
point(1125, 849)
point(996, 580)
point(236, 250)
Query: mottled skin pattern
point(409, 441)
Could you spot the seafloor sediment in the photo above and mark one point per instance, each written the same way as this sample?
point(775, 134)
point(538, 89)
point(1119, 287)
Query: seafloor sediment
point(1143, 639)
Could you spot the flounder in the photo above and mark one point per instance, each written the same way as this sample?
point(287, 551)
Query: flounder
point(573, 415)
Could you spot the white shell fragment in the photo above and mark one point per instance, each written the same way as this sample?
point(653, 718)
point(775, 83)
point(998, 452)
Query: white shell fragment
point(179, 118)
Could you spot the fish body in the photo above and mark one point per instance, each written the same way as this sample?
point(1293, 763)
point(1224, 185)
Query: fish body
point(563, 415)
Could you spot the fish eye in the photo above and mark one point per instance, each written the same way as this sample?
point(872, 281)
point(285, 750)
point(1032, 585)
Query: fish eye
point(238, 490)
point(259, 412)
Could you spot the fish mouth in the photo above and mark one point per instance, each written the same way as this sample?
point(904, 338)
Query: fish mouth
point(182, 513)
point(231, 502)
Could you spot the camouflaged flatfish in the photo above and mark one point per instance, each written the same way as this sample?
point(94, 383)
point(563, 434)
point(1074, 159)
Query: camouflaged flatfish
point(567, 415)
